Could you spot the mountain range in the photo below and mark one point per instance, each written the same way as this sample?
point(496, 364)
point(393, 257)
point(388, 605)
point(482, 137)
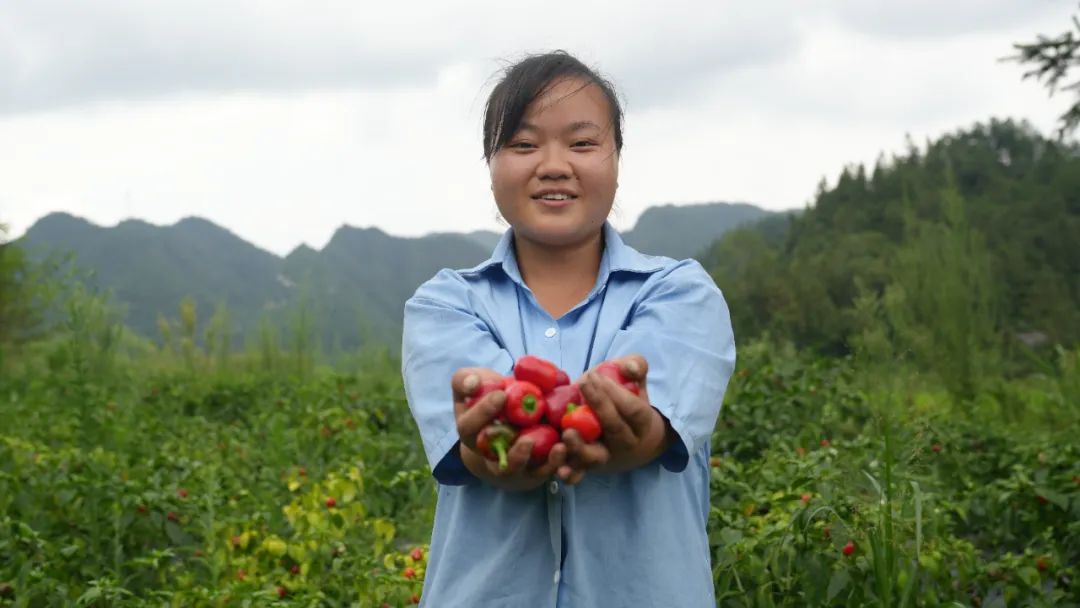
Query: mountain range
point(355, 286)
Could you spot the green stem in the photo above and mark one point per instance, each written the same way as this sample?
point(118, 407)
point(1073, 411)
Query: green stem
point(499, 445)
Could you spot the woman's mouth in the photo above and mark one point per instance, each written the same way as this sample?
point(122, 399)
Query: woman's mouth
point(555, 200)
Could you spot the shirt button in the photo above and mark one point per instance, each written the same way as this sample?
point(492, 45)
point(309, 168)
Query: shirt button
point(550, 332)
point(553, 487)
point(558, 575)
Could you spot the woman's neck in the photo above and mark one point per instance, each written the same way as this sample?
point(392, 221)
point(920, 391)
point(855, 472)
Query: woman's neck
point(559, 277)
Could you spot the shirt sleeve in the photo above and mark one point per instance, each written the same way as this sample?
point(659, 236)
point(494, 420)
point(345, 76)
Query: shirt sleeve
point(442, 333)
point(681, 325)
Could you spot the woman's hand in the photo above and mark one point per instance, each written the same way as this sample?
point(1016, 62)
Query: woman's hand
point(634, 432)
point(517, 475)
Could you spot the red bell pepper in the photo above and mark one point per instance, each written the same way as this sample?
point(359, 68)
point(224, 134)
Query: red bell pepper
point(562, 379)
point(525, 404)
point(612, 370)
point(558, 400)
point(544, 438)
point(582, 419)
point(541, 372)
point(494, 440)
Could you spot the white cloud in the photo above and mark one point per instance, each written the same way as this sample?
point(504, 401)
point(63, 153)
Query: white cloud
point(282, 123)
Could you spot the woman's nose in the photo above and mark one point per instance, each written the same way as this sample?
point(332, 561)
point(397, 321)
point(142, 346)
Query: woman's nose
point(554, 163)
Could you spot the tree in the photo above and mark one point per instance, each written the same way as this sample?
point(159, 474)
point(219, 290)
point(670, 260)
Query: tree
point(26, 289)
point(1053, 58)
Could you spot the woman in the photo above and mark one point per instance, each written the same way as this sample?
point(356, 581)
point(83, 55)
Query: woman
point(617, 523)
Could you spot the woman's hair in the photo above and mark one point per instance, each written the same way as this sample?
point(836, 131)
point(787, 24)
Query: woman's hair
point(526, 80)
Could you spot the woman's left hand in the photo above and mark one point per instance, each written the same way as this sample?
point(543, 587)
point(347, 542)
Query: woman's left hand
point(634, 432)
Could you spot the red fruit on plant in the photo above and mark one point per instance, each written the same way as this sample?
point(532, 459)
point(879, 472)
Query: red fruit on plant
point(173, 516)
point(236, 541)
point(199, 553)
point(415, 599)
point(801, 451)
point(612, 370)
point(525, 405)
point(241, 574)
point(409, 573)
point(182, 493)
point(557, 401)
point(1042, 563)
point(805, 498)
point(562, 379)
point(715, 461)
point(541, 372)
point(849, 548)
point(486, 387)
point(295, 569)
point(936, 448)
point(494, 441)
point(417, 554)
point(1042, 499)
point(825, 443)
point(544, 438)
point(281, 591)
point(827, 533)
point(584, 421)
point(331, 503)
point(141, 509)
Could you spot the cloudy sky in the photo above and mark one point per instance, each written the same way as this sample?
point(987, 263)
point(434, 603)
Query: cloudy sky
point(284, 120)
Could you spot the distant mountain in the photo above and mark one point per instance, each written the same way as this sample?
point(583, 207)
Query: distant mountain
point(354, 288)
point(150, 269)
point(683, 231)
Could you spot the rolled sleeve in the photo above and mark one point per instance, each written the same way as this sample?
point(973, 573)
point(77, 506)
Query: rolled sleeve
point(442, 333)
point(681, 325)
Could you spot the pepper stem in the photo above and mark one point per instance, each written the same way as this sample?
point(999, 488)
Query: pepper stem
point(499, 445)
point(529, 403)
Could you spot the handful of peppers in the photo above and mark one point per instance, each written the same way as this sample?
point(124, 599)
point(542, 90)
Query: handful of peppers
point(540, 404)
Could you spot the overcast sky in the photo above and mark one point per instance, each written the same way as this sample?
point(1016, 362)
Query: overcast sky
point(284, 120)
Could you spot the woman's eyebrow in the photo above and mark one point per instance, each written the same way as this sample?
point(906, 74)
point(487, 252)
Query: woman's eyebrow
point(570, 128)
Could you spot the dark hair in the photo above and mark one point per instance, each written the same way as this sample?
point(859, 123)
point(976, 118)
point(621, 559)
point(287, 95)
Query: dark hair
point(526, 80)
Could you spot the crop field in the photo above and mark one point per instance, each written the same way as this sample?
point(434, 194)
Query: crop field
point(159, 481)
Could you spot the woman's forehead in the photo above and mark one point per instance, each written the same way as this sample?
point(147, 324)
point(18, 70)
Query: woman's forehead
point(568, 101)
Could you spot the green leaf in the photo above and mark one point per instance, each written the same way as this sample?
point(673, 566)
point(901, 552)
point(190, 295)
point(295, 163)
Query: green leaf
point(1029, 575)
point(730, 536)
point(89, 597)
point(840, 580)
point(175, 533)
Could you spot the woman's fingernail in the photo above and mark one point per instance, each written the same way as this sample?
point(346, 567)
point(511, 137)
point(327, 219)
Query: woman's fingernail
point(470, 382)
point(632, 367)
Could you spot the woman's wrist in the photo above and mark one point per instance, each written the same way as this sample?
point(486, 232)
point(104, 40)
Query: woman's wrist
point(651, 447)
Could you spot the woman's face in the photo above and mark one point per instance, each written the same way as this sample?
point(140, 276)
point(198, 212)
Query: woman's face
point(555, 179)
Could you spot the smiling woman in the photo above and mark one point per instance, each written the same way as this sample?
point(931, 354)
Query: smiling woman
point(619, 522)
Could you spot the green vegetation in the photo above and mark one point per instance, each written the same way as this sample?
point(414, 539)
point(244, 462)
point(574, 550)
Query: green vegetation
point(992, 211)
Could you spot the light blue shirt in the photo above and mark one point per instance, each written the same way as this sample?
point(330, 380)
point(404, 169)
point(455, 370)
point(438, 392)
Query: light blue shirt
point(632, 539)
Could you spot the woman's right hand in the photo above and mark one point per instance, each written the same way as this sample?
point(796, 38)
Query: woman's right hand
point(470, 421)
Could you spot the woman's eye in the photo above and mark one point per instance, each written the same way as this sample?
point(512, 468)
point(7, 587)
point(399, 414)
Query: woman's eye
point(521, 145)
point(583, 143)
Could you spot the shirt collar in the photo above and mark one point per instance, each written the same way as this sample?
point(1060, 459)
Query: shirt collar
point(617, 256)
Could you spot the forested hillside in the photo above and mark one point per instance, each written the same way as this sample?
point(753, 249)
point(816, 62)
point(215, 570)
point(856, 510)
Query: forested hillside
point(988, 216)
